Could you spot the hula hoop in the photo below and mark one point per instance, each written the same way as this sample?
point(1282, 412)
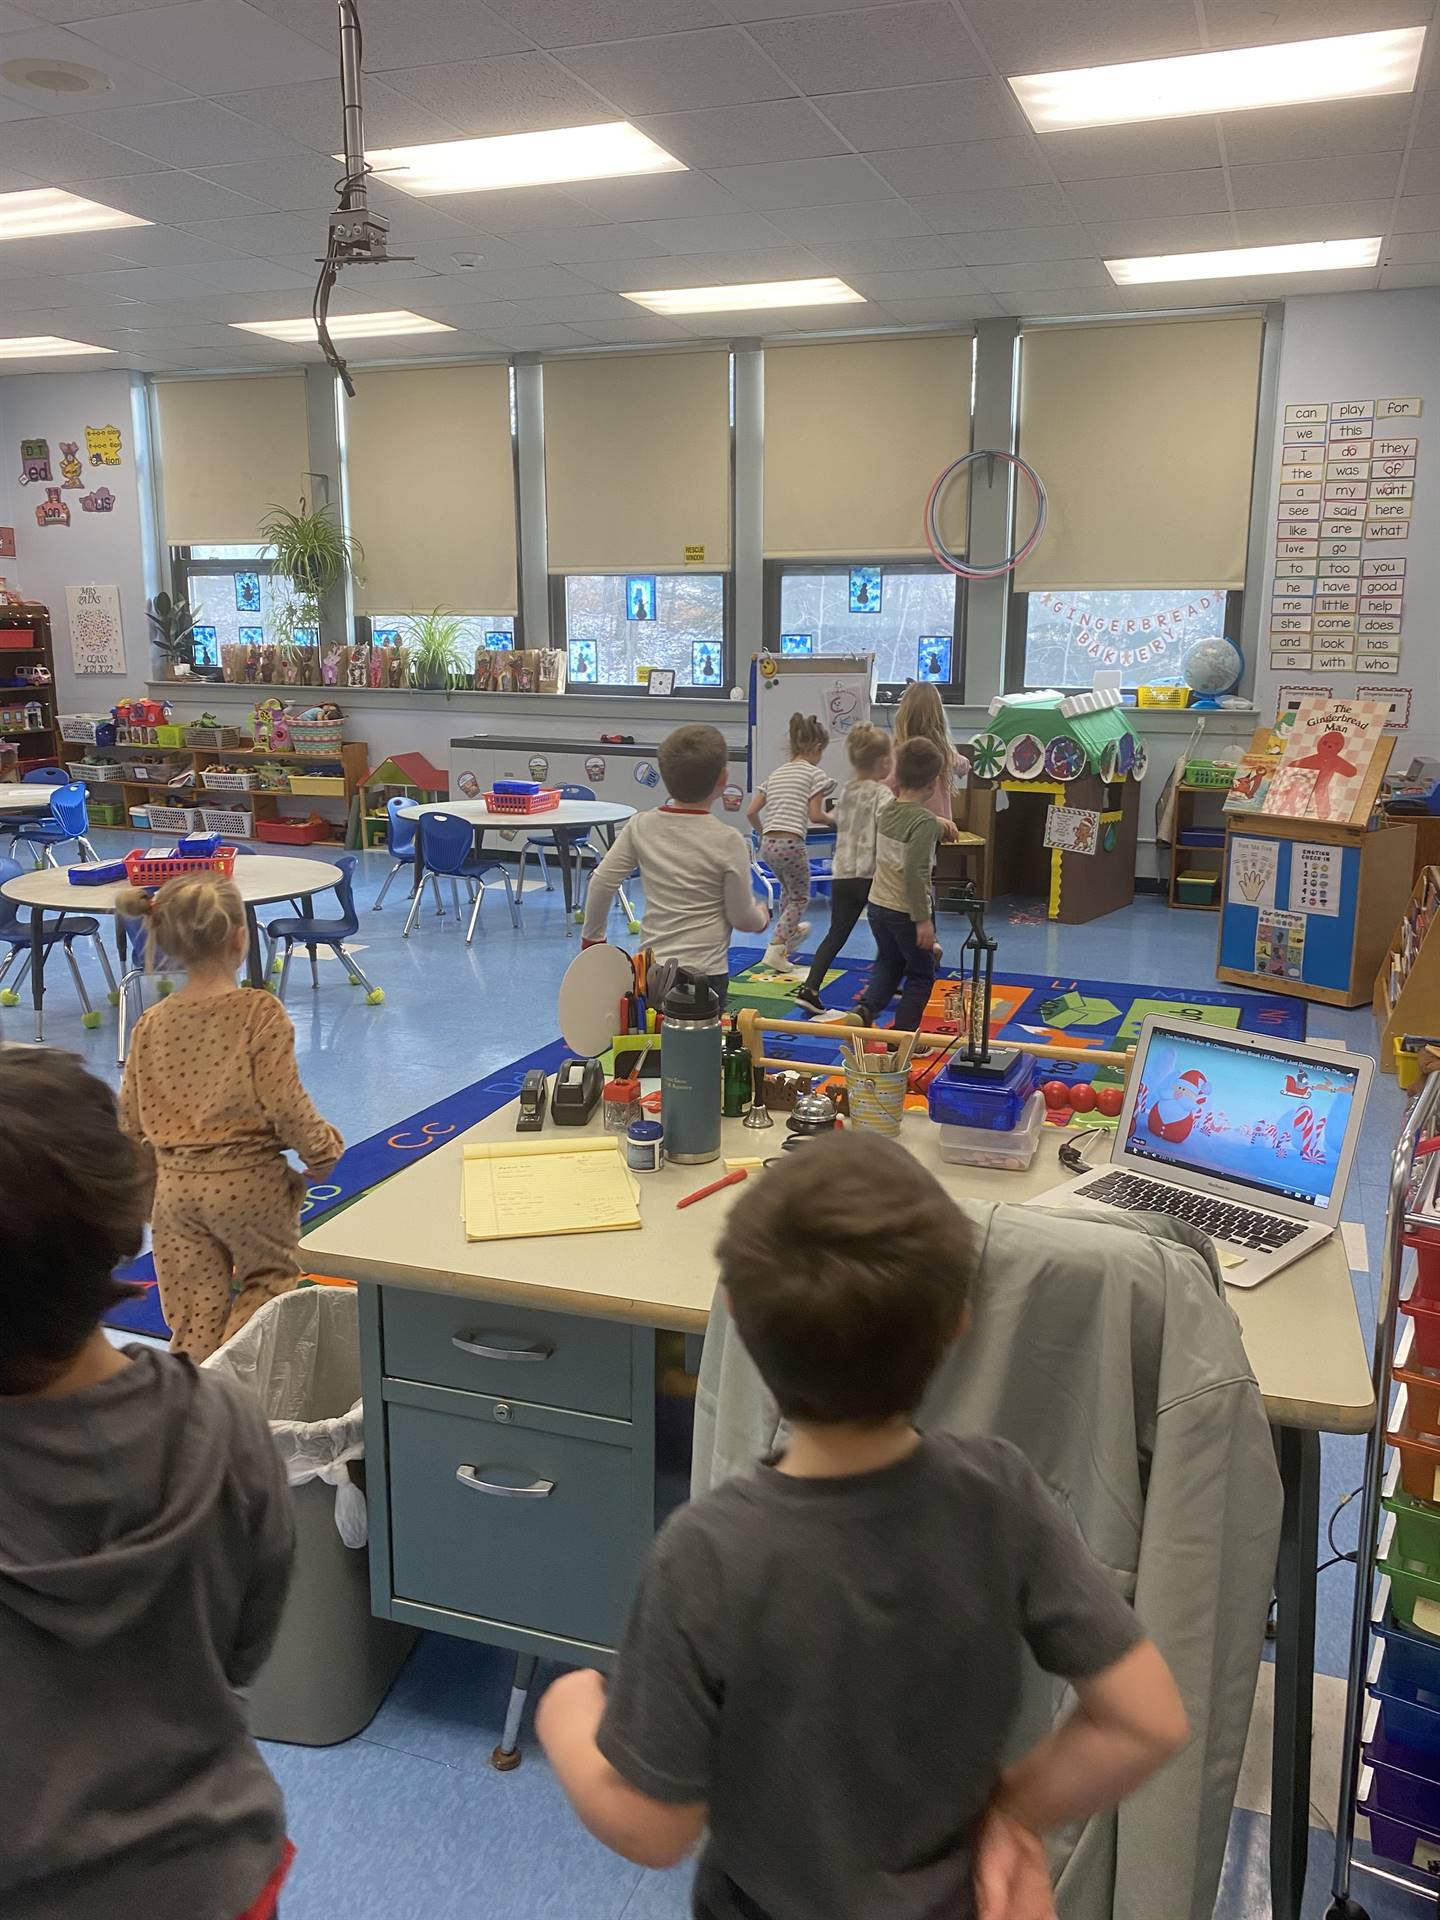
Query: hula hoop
point(969, 570)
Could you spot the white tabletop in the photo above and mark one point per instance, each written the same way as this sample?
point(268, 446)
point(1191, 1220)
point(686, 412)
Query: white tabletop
point(569, 813)
point(261, 879)
point(1301, 1330)
point(31, 797)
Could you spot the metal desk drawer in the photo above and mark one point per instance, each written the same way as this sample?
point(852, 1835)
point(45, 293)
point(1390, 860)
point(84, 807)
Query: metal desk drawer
point(559, 1558)
point(518, 1353)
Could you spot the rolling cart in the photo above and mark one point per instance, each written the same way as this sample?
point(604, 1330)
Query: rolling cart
point(1384, 1723)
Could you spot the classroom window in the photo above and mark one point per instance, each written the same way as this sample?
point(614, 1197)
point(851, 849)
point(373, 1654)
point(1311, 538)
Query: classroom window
point(907, 616)
point(1145, 633)
point(235, 595)
point(617, 624)
point(495, 630)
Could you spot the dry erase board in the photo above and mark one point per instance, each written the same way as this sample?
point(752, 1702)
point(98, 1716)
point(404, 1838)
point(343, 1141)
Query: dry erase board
point(838, 688)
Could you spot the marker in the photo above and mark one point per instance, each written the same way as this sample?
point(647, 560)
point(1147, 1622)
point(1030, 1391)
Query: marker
point(715, 1186)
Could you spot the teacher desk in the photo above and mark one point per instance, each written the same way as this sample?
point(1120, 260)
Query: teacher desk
point(510, 1412)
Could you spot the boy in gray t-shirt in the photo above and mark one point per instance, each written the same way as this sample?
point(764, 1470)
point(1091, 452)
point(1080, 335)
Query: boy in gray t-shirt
point(823, 1661)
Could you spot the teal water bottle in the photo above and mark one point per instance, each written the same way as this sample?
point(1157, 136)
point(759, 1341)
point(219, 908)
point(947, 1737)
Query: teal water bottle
point(690, 1070)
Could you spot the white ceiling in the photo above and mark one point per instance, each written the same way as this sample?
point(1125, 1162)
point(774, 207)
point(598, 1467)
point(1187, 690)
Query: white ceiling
point(876, 142)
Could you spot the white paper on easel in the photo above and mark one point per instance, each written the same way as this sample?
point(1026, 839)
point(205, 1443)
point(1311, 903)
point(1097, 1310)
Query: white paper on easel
point(1253, 866)
point(1315, 872)
point(97, 644)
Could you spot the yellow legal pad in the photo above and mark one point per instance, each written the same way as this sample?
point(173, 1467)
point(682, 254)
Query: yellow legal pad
point(515, 1190)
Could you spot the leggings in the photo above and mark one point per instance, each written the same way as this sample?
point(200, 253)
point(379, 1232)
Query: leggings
point(848, 900)
point(224, 1243)
point(785, 855)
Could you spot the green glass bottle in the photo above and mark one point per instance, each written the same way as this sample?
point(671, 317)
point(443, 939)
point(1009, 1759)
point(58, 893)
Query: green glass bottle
point(735, 1083)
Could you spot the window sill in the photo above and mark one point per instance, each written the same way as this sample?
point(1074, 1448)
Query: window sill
point(691, 706)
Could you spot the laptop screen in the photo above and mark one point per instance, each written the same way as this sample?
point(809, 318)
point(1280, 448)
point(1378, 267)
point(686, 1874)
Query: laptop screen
point(1257, 1116)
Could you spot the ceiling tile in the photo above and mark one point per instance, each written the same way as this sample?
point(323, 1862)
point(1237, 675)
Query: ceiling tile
point(305, 181)
point(522, 336)
point(189, 133)
point(580, 23)
point(1317, 132)
point(1098, 153)
point(173, 197)
point(1293, 182)
point(149, 283)
point(894, 46)
point(1039, 38)
point(639, 327)
point(131, 84)
point(713, 233)
point(512, 93)
point(651, 270)
point(310, 113)
point(1405, 249)
point(64, 11)
point(571, 309)
point(786, 9)
point(862, 220)
point(62, 153)
point(209, 44)
point(1078, 303)
point(1418, 213)
point(484, 285)
point(1018, 276)
point(973, 166)
point(1245, 23)
point(716, 67)
point(579, 246)
point(1143, 194)
point(925, 116)
point(1170, 233)
point(1422, 170)
point(928, 313)
point(1350, 220)
point(259, 233)
point(756, 132)
point(64, 253)
point(520, 210)
point(1026, 243)
point(1394, 279)
point(704, 269)
point(658, 196)
point(843, 180)
point(405, 36)
point(887, 256)
point(922, 283)
point(992, 212)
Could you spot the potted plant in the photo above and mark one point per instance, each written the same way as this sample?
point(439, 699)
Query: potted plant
point(312, 553)
point(437, 657)
point(172, 633)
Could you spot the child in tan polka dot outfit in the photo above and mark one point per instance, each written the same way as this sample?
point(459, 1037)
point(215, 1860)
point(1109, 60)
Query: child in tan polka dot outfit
point(212, 1086)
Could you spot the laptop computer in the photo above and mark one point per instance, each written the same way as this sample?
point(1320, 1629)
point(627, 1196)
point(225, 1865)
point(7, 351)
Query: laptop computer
point(1249, 1139)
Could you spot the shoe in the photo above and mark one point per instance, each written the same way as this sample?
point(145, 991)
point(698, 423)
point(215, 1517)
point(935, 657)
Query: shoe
point(802, 932)
point(857, 1017)
point(778, 960)
point(809, 998)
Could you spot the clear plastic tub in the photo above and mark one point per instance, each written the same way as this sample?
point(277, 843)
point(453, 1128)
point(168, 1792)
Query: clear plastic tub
point(984, 1147)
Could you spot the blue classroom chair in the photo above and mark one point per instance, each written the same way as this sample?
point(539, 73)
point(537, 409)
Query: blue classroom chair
point(585, 853)
point(310, 932)
point(447, 843)
point(400, 844)
point(64, 932)
point(67, 820)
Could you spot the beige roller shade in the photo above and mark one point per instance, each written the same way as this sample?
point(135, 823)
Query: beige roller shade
point(449, 540)
point(229, 451)
point(637, 460)
point(855, 433)
point(1144, 435)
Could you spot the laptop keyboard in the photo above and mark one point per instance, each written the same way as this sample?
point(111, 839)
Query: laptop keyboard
point(1238, 1226)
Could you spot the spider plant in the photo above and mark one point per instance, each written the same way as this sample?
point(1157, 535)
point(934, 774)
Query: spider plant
point(312, 552)
point(437, 657)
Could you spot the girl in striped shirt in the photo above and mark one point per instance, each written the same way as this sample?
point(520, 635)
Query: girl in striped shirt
point(791, 801)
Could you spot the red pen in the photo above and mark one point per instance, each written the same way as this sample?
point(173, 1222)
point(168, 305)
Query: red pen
point(715, 1186)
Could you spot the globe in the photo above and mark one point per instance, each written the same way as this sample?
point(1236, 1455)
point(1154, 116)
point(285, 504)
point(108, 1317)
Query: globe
point(1211, 667)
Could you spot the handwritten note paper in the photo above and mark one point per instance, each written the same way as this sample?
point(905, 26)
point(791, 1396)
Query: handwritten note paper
point(518, 1190)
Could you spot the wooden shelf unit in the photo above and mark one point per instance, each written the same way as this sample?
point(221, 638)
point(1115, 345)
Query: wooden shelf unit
point(1197, 859)
point(1416, 1006)
point(38, 746)
point(352, 761)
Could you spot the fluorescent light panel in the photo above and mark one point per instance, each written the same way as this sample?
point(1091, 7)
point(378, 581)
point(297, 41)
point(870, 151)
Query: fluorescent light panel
point(44, 346)
point(606, 152)
point(1238, 263)
point(742, 299)
point(344, 326)
point(47, 210)
point(1351, 66)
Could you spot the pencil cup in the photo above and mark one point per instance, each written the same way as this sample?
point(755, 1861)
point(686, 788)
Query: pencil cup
point(877, 1100)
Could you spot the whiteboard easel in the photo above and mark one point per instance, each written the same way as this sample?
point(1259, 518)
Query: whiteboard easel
point(837, 687)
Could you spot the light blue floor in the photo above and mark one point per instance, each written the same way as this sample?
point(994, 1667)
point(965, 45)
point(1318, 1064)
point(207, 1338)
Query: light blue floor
point(409, 1820)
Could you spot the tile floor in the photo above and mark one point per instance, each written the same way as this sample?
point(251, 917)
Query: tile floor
point(408, 1820)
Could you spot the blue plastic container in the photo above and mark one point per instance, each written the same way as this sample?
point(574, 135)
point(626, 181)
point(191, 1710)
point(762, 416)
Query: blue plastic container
point(515, 786)
point(1406, 1780)
point(1407, 1842)
point(998, 1106)
point(1404, 1677)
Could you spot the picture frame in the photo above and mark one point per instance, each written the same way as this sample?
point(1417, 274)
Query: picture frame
point(640, 596)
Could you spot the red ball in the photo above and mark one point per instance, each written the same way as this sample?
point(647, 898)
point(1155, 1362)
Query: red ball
point(1057, 1093)
point(1110, 1100)
point(1082, 1098)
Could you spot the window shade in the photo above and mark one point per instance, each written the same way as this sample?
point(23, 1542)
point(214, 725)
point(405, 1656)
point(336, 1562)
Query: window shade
point(855, 433)
point(1144, 435)
point(637, 460)
point(229, 451)
point(451, 544)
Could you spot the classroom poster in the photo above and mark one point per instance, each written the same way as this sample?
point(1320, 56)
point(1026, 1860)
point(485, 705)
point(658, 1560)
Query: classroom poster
point(1280, 944)
point(1315, 878)
point(1072, 829)
point(97, 644)
point(1253, 867)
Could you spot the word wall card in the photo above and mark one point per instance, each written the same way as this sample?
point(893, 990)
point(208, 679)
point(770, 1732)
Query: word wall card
point(1347, 495)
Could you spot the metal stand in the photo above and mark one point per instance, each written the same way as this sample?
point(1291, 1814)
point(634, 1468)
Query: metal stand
point(507, 1755)
point(1422, 1120)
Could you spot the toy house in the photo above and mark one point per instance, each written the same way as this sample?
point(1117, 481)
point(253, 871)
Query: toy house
point(408, 774)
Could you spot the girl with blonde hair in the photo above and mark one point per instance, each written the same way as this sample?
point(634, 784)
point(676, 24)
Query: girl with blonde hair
point(921, 716)
point(212, 1087)
point(791, 801)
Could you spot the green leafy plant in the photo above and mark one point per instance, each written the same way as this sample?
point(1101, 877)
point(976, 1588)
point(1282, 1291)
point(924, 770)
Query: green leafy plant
point(172, 630)
point(437, 656)
point(312, 552)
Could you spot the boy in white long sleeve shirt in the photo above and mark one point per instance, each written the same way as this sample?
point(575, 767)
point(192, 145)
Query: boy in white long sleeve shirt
point(694, 868)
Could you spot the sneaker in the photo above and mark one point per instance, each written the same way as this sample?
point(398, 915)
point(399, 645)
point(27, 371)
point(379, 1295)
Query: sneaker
point(778, 960)
point(809, 998)
point(857, 1017)
point(802, 932)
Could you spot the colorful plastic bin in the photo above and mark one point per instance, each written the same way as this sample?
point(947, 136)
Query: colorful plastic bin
point(1405, 1842)
point(1406, 1779)
point(1405, 1687)
point(1414, 1588)
point(1419, 1452)
point(1417, 1523)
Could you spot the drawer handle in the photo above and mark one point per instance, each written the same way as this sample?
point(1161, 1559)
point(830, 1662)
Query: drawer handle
point(516, 1489)
point(501, 1346)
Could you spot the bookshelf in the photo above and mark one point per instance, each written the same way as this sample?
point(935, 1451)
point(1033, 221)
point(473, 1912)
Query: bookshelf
point(333, 794)
point(1407, 985)
point(36, 746)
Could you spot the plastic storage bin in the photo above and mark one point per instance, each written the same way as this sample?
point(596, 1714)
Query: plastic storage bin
point(173, 819)
point(994, 1105)
point(317, 783)
point(1196, 888)
point(1417, 1523)
point(1406, 1780)
point(985, 1147)
point(1400, 1679)
point(234, 821)
point(1414, 1589)
point(1419, 1452)
point(215, 781)
point(1403, 1841)
point(333, 1662)
point(291, 833)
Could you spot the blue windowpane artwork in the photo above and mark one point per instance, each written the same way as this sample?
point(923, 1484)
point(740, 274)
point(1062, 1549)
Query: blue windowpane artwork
point(247, 593)
point(206, 647)
point(795, 645)
point(252, 636)
point(933, 656)
point(866, 589)
point(640, 596)
point(382, 636)
point(584, 662)
point(310, 636)
point(705, 665)
point(499, 642)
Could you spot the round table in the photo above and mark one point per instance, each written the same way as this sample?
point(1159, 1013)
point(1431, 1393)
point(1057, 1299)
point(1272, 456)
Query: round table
point(262, 879)
point(568, 822)
point(28, 797)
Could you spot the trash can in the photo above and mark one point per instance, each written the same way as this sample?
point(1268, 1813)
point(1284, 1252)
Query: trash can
point(333, 1661)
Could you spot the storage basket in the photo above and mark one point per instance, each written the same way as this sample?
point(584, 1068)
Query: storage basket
point(173, 819)
point(95, 770)
point(215, 781)
point(228, 820)
point(169, 736)
point(106, 813)
point(316, 736)
point(541, 802)
point(83, 729)
point(291, 833)
point(213, 736)
point(154, 869)
point(1208, 773)
point(1162, 696)
point(318, 783)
